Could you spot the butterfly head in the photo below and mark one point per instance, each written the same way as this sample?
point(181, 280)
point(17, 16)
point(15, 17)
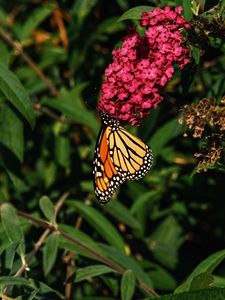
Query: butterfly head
point(107, 120)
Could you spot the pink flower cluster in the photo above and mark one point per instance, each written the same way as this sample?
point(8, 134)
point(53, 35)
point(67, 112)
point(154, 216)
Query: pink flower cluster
point(143, 66)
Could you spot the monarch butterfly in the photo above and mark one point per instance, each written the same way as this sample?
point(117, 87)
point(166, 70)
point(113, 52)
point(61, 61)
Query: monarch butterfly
point(119, 156)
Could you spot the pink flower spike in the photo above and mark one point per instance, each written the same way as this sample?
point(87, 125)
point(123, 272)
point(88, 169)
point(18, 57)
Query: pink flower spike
point(142, 66)
point(178, 10)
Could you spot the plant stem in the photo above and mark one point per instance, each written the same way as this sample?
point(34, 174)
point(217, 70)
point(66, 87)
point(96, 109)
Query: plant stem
point(39, 243)
point(84, 246)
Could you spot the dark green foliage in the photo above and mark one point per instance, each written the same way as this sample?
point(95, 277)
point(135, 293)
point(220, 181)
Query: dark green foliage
point(164, 233)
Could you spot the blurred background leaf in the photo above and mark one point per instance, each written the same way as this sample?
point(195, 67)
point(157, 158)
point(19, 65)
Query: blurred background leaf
point(14, 92)
point(127, 285)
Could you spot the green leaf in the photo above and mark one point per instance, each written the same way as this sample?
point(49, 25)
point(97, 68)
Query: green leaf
point(165, 242)
point(11, 133)
point(99, 223)
point(50, 174)
point(50, 251)
point(19, 184)
point(47, 208)
point(45, 290)
point(143, 199)
point(81, 237)
point(92, 271)
point(12, 227)
point(36, 17)
point(127, 262)
point(10, 254)
point(162, 279)
point(207, 265)
point(135, 13)
point(62, 151)
point(32, 296)
point(202, 281)
point(4, 241)
point(127, 285)
point(164, 135)
point(221, 7)
point(149, 124)
point(108, 27)
point(196, 54)
point(4, 53)
point(14, 91)
point(3, 16)
point(70, 104)
point(112, 284)
point(188, 14)
point(81, 9)
point(218, 281)
point(121, 213)
point(209, 294)
point(7, 280)
point(123, 4)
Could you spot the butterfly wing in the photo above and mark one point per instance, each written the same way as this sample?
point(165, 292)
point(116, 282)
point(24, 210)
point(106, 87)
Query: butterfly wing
point(106, 177)
point(119, 156)
point(131, 157)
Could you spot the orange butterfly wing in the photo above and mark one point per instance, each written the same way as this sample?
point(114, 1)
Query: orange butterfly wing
point(106, 177)
point(119, 156)
point(131, 157)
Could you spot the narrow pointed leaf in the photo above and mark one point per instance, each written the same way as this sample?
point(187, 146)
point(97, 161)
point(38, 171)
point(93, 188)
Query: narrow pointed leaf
point(11, 133)
point(127, 262)
point(11, 224)
point(10, 254)
point(163, 135)
point(187, 5)
point(100, 224)
point(121, 213)
point(134, 13)
point(32, 295)
point(8, 280)
point(44, 289)
point(71, 105)
point(4, 53)
point(127, 285)
point(81, 237)
point(47, 208)
point(36, 17)
point(14, 91)
point(207, 265)
point(50, 251)
point(92, 271)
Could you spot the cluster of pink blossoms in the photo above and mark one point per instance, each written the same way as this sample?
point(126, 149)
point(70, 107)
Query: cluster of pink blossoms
point(143, 66)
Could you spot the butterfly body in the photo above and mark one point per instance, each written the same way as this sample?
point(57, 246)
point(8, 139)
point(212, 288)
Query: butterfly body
point(119, 156)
